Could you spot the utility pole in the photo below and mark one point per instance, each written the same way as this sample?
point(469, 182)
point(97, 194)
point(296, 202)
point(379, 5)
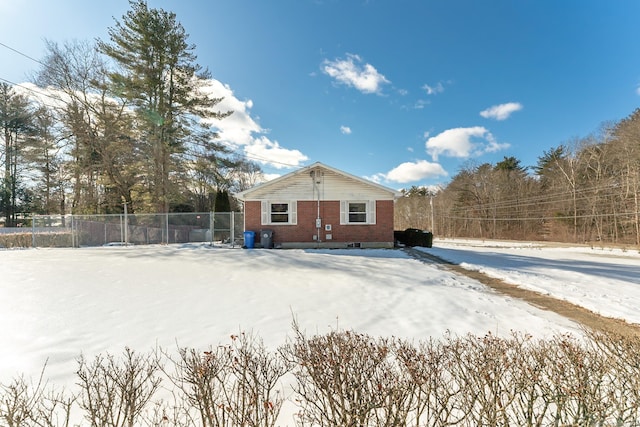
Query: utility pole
point(431, 208)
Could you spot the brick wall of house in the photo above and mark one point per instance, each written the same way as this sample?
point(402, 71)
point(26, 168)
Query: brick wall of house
point(304, 231)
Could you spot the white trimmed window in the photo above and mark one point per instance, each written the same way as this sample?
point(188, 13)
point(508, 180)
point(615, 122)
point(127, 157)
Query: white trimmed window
point(357, 212)
point(279, 212)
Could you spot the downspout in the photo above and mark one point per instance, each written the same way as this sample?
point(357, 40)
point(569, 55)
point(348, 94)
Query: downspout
point(316, 188)
point(318, 218)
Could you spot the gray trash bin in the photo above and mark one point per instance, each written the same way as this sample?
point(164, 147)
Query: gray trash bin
point(266, 239)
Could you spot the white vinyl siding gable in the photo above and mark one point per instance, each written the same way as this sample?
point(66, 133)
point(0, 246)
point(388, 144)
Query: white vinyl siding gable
point(332, 186)
point(351, 212)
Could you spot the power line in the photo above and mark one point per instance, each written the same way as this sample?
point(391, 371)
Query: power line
point(254, 157)
point(567, 196)
point(264, 159)
point(30, 89)
point(596, 202)
point(23, 54)
point(249, 156)
point(542, 218)
point(261, 159)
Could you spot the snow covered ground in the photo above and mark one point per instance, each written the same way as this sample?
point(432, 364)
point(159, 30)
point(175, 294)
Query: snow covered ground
point(603, 280)
point(58, 303)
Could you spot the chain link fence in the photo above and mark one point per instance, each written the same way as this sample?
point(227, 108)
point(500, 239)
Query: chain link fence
point(137, 229)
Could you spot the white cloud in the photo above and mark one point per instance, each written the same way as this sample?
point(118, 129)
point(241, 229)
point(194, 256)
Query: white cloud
point(502, 111)
point(345, 130)
point(414, 171)
point(638, 90)
point(239, 127)
point(377, 178)
point(491, 146)
point(49, 96)
point(240, 130)
point(270, 176)
point(433, 90)
point(463, 142)
point(270, 152)
point(352, 72)
point(420, 103)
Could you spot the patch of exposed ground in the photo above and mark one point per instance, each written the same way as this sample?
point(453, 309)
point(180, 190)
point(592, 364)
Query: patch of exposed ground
point(578, 314)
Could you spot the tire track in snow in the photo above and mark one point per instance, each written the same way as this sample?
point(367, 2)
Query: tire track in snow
point(585, 317)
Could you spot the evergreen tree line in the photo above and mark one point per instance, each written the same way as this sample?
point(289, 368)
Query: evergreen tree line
point(124, 120)
point(584, 190)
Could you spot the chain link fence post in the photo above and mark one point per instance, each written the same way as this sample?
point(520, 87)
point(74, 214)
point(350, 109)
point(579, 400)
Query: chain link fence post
point(212, 222)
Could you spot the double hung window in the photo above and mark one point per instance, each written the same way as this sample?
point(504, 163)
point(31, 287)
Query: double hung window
point(357, 212)
point(279, 212)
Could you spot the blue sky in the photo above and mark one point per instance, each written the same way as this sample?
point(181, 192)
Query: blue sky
point(401, 92)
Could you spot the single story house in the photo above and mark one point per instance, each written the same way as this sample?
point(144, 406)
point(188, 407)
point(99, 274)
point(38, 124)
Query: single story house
point(320, 207)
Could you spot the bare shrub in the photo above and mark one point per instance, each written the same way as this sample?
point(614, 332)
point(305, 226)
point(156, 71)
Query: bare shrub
point(23, 403)
point(114, 392)
point(163, 414)
point(55, 409)
point(481, 367)
point(436, 396)
point(200, 377)
point(257, 374)
point(345, 378)
point(531, 407)
point(396, 390)
point(232, 385)
point(621, 354)
point(18, 401)
point(16, 240)
point(572, 383)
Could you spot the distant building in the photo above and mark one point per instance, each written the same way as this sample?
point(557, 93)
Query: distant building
point(319, 206)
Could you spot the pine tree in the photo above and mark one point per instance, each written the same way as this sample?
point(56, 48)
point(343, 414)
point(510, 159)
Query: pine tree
point(160, 77)
point(43, 154)
point(15, 125)
point(222, 201)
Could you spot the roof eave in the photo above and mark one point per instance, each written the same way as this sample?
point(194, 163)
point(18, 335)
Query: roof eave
point(242, 194)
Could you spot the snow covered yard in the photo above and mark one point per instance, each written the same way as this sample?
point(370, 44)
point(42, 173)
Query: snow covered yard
point(58, 303)
point(603, 280)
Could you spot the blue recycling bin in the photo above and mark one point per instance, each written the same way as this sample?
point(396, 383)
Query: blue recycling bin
point(249, 239)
